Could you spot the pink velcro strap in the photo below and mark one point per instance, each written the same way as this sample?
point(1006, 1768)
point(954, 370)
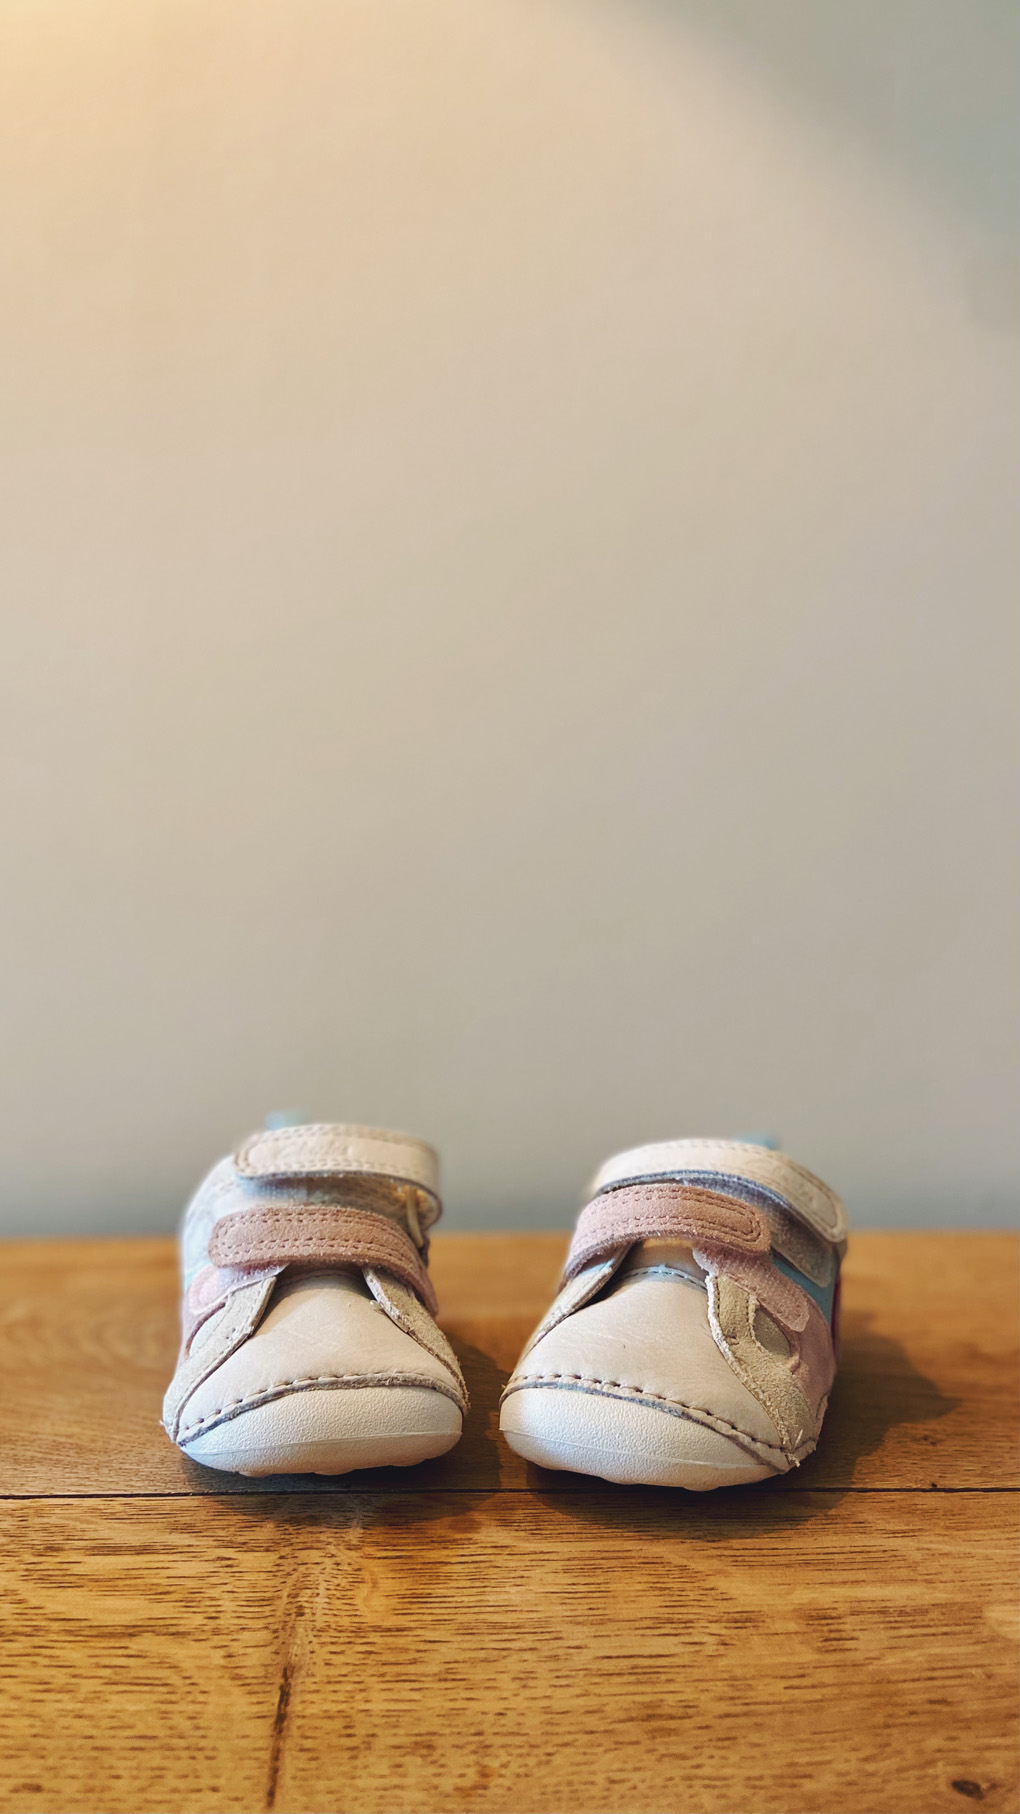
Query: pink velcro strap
point(664, 1211)
point(327, 1234)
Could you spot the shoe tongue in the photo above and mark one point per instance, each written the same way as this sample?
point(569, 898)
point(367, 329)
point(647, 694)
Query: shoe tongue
point(342, 1280)
point(677, 1256)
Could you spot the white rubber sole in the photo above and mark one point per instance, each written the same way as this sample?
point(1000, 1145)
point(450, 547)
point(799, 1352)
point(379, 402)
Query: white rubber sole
point(627, 1443)
point(332, 1432)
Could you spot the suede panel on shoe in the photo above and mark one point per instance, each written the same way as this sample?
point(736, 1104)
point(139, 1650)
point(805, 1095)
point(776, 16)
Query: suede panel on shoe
point(212, 1342)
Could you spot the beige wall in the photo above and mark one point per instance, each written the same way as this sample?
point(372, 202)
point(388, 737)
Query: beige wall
point(508, 575)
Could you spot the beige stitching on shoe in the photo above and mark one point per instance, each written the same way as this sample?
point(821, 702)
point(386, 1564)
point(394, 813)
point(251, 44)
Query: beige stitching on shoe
point(664, 1211)
point(807, 1195)
point(770, 1381)
point(332, 1234)
point(277, 1388)
point(677, 1404)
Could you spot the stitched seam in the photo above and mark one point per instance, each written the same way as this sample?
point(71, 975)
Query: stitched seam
point(410, 1322)
point(786, 1302)
point(291, 1145)
point(274, 1388)
point(734, 1216)
point(356, 1236)
point(686, 1215)
point(666, 1270)
point(760, 1391)
point(320, 1218)
point(816, 1186)
point(193, 1371)
point(576, 1293)
point(363, 1167)
point(304, 1247)
point(752, 1384)
point(584, 1379)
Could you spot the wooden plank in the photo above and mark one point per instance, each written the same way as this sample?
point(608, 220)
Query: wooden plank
point(604, 1651)
point(926, 1393)
point(88, 1335)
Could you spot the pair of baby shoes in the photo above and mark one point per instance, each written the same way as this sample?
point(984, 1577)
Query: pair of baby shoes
point(692, 1343)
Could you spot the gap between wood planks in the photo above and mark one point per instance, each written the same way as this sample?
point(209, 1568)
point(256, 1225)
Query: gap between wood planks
point(448, 1492)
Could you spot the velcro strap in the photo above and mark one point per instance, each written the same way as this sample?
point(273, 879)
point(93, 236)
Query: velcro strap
point(335, 1150)
point(671, 1212)
point(798, 1188)
point(324, 1235)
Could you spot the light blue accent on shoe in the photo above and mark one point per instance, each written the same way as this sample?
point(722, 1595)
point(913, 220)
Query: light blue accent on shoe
point(285, 1118)
point(822, 1294)
point(771, 1141)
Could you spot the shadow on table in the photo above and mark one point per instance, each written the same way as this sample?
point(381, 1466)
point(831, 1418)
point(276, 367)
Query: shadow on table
point(877, 1389)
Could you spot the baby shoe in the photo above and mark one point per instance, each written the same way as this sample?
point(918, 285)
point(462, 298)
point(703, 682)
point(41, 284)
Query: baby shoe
point(693, 1341)
point(309, 1344)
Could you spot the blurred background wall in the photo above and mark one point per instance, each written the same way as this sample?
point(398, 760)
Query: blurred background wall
point(509, 562)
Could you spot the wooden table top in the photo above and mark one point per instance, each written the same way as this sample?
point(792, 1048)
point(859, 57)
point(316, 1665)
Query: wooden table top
point(480, 1634)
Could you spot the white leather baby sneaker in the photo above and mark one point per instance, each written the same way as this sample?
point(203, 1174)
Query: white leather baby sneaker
point(693, 1340)
point(309, 1344)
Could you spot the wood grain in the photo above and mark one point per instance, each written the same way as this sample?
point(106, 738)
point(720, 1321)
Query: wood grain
point(588, 1651)
point(926, 1393)
point(480, 1635)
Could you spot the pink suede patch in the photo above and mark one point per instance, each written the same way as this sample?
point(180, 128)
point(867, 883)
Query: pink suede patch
point(324, 1235)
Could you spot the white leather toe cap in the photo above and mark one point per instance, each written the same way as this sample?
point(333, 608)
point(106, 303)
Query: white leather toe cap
point(318, 1431)
point(326, 1383)
point(624, 1441)
point(633, 1387)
